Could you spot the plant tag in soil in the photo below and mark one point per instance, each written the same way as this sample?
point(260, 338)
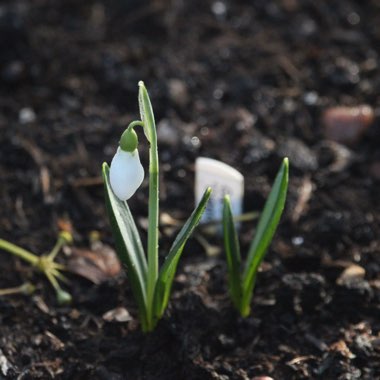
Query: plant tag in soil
point(223, 179)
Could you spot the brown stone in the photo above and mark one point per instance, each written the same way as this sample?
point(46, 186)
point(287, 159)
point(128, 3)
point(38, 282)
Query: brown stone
point(347, 125)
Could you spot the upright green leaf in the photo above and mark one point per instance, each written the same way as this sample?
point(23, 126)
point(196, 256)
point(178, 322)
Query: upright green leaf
point(232, 248)
point(146, 112)
point(147, 118)
point(266, 228)
point(168, 269)
point(128, 243)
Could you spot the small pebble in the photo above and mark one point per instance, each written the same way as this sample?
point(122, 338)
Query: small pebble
point(353, 18)
point(347, 125)
point(311, 98)
point(245, 119)
point(191, 142)
point(195, 141)
point(374, 170)
point(167, 134)
point(297, 240)
point(178, 92)
point(218, 93)
point(300, 155)
point(219, 8)
point(26, 115)
point(308, 27)
point(260, 147)
point(13, 72)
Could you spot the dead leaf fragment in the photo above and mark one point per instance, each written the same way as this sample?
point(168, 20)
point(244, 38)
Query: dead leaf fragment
point(5, 365)
point(119, 314)
point(57, 344)
point(341, 347)
point(64, 224)
point(353, 272)
point(304, 195)
point(97, 265)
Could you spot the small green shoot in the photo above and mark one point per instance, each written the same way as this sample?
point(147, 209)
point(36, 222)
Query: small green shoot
point(241, 281)
point(150, 284)
point(44, 263)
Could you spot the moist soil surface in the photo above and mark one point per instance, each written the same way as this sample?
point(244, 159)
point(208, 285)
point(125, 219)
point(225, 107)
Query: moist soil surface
point(245, 82)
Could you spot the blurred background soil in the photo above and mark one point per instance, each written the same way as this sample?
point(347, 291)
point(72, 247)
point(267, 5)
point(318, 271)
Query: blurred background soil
point(245, 82)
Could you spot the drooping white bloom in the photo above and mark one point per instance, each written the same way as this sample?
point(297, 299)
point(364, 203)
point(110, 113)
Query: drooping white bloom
point(126, 173)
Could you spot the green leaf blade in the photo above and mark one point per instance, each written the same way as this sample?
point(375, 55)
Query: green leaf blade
point(266, 228)
point(146, 113)
point(232, 248)
point(168, 269)
point(128, 243)
point(147, 117)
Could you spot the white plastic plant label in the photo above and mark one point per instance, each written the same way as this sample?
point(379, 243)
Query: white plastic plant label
point(223, 179)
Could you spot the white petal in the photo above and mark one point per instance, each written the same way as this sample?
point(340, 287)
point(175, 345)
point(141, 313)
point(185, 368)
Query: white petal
point(126, 173)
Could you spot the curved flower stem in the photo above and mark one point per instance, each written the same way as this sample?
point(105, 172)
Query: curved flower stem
point(136, 123)
point(62, 296)
point(58, 245)
point(63, 238)
point(30, 257)
point(53, 281)
point(27, 288)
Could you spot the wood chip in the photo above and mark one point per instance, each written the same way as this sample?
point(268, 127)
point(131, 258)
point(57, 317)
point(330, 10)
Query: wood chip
point(41, 304)
point(304, 195)
point(57, 344)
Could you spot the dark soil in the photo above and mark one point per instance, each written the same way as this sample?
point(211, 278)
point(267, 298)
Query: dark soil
point(245, 82)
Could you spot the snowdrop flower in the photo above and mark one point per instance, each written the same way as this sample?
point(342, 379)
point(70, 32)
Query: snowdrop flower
point(126, 171)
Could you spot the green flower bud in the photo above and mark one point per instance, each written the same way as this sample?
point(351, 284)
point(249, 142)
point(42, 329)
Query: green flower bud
point(66, 235)
point(129, 140)
point(27, 288)
point(63, 297)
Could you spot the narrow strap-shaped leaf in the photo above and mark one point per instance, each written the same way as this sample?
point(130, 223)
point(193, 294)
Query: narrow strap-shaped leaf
point(168, 269)
point(266, 228)
point(146, 112)
point(128, 243)
point(147, 117)
point(232, 248)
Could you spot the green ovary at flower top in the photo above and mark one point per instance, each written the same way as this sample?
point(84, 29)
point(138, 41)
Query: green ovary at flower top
point(150, 284)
